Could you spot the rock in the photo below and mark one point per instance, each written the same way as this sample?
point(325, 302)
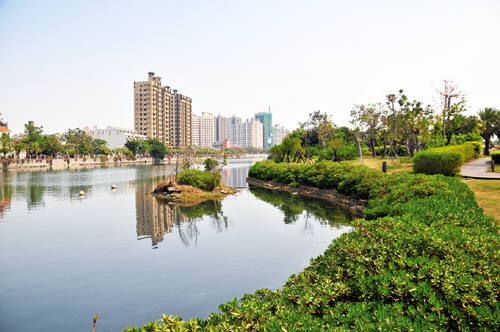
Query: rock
point(170, 189)
point(223, 192)
point(113, 186)
point(178, 190)
point(82, 193)
point(175, 196)
point(295, 193)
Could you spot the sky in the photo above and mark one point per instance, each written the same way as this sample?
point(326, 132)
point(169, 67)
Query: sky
point(68, 64)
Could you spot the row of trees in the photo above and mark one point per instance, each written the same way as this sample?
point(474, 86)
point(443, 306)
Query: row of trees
point(395, 127)
point(35, 143)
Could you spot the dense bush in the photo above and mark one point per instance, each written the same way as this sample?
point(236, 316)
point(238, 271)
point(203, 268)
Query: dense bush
point(429, 261)
point(434, 162)
point(495, 156)
point(199, 179)
point(446, 160)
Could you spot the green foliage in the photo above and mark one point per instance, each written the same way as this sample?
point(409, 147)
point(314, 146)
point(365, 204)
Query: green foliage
point(200, 179)
point(429, 262)
point(210, 164)
point(157, 149)
point(344, 152)
point(434, 162)
point(446, 160)
point(495, 156)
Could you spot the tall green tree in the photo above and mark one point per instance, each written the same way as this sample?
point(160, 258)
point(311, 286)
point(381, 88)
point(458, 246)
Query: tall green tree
point(78, 142)
point(490, 125)
point(6, 144)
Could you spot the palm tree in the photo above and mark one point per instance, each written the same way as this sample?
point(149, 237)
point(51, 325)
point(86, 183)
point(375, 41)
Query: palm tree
point(490, 125)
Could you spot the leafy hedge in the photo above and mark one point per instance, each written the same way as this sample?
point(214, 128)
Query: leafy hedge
point(446, 160)
point(425, 259)
point(495, 155)
point(199, 179)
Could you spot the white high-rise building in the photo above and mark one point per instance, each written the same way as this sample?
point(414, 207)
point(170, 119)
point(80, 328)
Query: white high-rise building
point(280, 132)
point(207, 130)
point(195, 125)
point(247, 134)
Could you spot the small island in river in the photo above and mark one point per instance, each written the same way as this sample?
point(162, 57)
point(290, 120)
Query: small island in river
point(176, 191)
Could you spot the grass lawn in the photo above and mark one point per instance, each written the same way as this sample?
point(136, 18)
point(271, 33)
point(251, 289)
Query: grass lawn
point(391, 167)
point(487, 196)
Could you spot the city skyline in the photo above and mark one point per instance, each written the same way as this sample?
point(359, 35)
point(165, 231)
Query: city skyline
point(240, 57)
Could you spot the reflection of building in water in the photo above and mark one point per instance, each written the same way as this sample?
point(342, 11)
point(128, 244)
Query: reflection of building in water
point(6, 193)
point(153, 219)
point(236, 177)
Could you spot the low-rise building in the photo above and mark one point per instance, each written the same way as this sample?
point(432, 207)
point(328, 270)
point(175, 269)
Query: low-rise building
point(116, 137)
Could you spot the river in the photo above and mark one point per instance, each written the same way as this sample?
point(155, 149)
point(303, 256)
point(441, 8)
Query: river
point(65, 258)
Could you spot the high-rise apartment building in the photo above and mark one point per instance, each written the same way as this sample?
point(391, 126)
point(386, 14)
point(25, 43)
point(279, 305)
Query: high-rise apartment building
point(234, 120)
point(279, 133)
point(195, 125)
point(247, 134)
point(222, 125)
point(267, 120)
point(207, 130)
point(161, 113)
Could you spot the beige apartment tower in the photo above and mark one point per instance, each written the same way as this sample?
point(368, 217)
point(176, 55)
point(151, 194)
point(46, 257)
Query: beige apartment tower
point(161, 113)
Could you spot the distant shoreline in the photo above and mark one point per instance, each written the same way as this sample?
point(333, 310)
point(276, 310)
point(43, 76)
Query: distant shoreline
point(71, 163)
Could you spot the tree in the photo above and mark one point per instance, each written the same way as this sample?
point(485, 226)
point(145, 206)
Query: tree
point(445, 96)
point(322, 124)
point(78, 142)
point(34, 148)
point(490, 125)
point(369, 116)
point(335, 144)
point(6, 144)
point(52, 146)
point(134, 145)
point(158, 150)
point(18, 147)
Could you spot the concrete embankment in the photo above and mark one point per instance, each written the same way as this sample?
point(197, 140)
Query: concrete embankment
point(329, 195)
point(70, 163)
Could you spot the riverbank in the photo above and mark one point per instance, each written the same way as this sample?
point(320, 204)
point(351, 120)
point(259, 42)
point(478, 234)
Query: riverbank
point(70, 163)
point(332, 196)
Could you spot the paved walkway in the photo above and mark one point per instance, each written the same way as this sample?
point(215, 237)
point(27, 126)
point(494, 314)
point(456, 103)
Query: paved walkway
point(476, 169)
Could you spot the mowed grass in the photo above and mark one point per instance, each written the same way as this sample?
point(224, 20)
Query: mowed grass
point(392, 164)
point(487, 196)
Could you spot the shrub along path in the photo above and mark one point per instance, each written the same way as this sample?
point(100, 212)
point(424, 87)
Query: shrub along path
point(476, 169)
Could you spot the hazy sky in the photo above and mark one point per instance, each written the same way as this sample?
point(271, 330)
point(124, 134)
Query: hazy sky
point(67, 64)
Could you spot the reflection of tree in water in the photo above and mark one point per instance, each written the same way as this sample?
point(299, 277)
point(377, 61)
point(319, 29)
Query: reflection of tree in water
point(6, 194)
point(195, 213)
point(184, 217)
point(293, 206)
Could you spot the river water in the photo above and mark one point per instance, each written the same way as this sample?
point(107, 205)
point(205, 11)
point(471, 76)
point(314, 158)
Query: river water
point(65, 258)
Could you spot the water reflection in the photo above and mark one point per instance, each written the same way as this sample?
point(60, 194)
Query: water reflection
point(6, 194)
point(155, 217)
point(294, 206)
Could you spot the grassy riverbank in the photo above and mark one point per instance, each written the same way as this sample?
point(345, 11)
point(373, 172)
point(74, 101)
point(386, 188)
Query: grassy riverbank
point(425, 258)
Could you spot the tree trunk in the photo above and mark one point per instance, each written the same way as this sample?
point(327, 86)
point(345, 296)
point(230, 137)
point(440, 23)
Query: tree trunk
point(486, 150)
point(359, 149)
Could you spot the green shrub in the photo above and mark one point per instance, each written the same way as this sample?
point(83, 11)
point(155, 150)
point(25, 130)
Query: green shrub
point(495, 156)
point(478, 148)
point(434, 162)
point(199, 179)
point(446, 160)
